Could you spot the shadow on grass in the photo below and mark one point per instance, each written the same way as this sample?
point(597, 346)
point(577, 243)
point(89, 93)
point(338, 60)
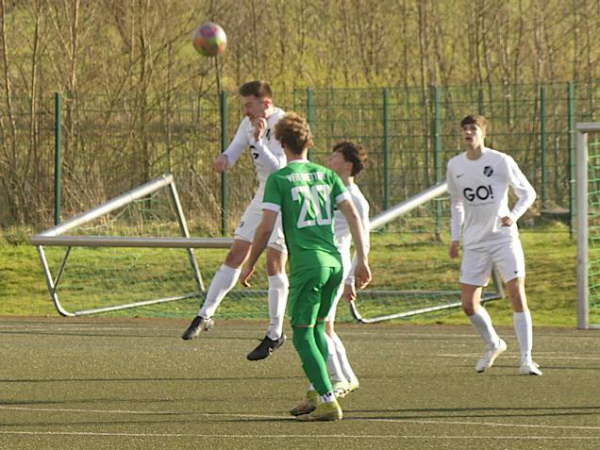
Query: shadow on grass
point(150, 334)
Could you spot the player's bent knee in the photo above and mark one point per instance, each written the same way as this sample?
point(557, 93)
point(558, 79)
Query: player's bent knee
point(329, 328)
point(275, 261)
point(238, 253)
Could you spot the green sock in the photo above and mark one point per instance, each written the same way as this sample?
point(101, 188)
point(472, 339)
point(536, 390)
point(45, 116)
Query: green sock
point(313, 363)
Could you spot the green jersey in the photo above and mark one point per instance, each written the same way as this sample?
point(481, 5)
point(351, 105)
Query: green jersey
point(306, 194)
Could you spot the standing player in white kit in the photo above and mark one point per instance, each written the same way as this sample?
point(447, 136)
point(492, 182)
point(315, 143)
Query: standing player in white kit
point(478, 181)
point(347, 160)
point(256, 132)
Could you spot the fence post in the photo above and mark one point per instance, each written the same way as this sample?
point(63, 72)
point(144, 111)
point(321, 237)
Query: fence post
point(572, 168)
point(57, 157)
point(386, 149)
point(543, 143)
point(310, 116)
point(223, 111)
point(437, 154)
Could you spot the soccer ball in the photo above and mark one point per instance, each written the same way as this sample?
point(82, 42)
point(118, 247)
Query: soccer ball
point(209, 39)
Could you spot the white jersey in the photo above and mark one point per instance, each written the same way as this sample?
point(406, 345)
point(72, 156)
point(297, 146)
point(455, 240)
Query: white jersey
point(479, 197)
point(343, 237)
point(267, 153)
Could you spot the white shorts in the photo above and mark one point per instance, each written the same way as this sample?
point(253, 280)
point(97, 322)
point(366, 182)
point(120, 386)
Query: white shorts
point(346, 266)
point(250, 221)
point(508, 258)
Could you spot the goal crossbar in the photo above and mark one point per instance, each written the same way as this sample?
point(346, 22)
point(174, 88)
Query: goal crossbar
point(131, 242)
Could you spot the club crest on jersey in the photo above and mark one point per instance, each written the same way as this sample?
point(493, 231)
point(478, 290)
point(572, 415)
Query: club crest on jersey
point(488, 171)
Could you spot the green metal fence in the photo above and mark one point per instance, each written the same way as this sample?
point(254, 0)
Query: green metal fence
point(112, 143)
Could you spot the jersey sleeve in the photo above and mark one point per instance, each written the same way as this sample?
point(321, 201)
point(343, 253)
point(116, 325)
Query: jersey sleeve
point(269, 159)
point(339, 193)
point(457, 209)
point(523, 189)
point(362, 207)
point(238, 144)
point(272, 198)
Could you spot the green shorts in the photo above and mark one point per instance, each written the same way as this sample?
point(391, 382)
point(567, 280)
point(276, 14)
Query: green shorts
point(312, 291)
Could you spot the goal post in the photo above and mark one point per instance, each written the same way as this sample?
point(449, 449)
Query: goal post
point(588, 224)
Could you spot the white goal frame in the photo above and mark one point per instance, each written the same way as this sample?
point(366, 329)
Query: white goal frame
point(56, 237)
point(582, 130)
point(393, 213)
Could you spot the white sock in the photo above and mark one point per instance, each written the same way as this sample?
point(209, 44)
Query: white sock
point(482, 322)
point(333, 363)
point(223, 281)
point(342, 357)
point(328, 398)
point(524, 332)
point(278, 293)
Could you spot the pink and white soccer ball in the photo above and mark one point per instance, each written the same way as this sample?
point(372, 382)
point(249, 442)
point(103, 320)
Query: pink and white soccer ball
point(209, 39)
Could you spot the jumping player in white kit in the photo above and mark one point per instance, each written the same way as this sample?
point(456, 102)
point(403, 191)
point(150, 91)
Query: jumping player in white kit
point(256, 132)
point(478, 181)
point(347, 160)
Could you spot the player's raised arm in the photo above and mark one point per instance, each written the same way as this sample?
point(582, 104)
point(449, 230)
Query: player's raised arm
point(271, 160)
point(239, 143)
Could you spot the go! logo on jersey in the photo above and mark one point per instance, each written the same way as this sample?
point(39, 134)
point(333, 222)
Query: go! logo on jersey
point(480, 192)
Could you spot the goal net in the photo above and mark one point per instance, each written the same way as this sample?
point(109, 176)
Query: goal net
point(135, 251)
point(412, 272)
point(588, 225)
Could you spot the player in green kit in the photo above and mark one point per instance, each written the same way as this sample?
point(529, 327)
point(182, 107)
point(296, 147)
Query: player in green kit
point(306, 195)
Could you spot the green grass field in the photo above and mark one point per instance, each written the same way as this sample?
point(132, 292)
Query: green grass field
point(550, 256)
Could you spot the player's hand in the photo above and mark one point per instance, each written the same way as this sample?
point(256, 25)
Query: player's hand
point(349, 292)
point(453, 251)
point(362, 275)
point(221, 163)
point(260, 125)
point(246, 274)
point(506, 221)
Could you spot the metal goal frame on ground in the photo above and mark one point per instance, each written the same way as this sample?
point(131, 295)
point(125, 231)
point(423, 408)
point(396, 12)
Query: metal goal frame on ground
point(56, 237)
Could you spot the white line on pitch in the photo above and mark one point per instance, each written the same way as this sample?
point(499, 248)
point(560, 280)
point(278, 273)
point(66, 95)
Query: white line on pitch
point(485, 424)
point(287, 418)
point(547, 354)
point(297, 436)
point(142, 412)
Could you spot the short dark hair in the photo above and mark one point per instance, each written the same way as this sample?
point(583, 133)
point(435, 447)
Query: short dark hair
point(354, 153)
point(293, 132)
point(257, 88)
point(476, 119)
